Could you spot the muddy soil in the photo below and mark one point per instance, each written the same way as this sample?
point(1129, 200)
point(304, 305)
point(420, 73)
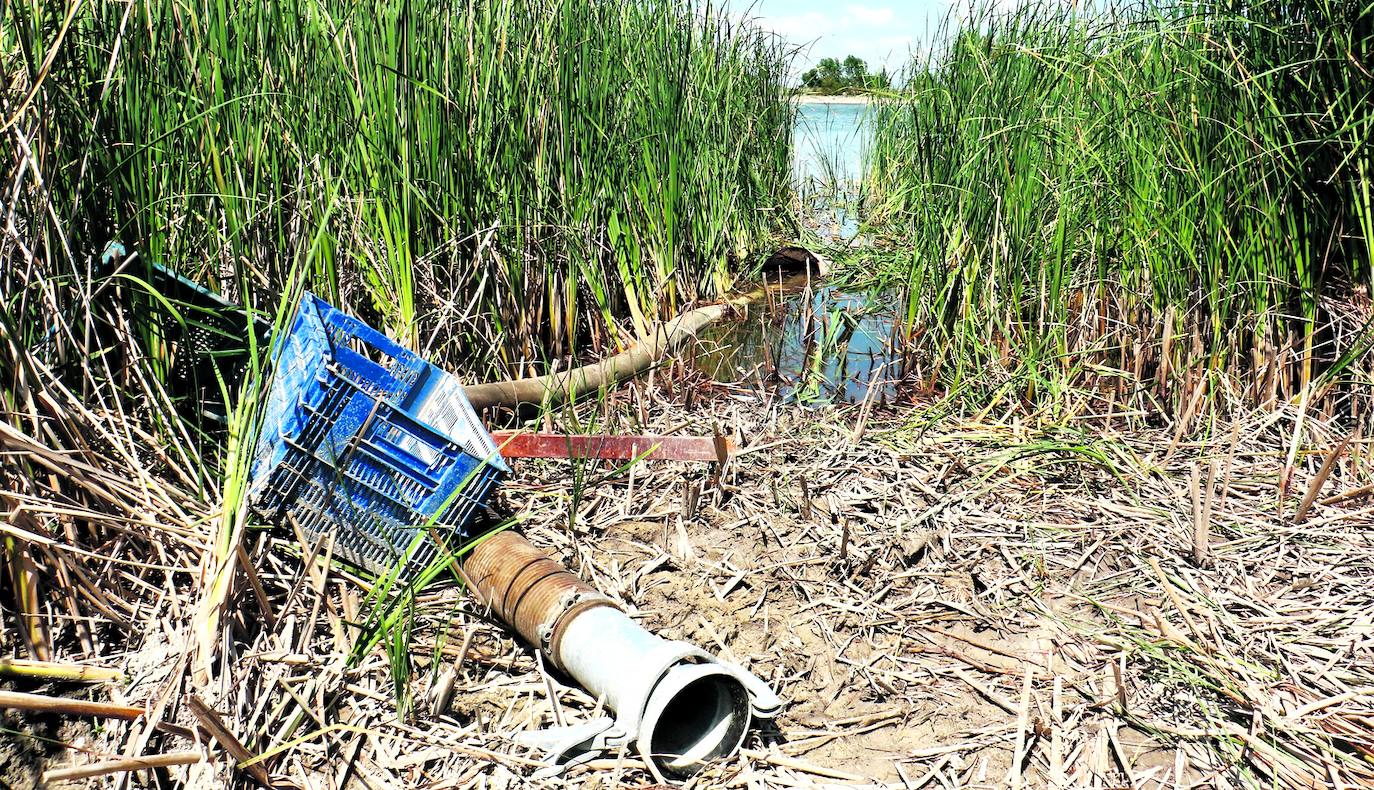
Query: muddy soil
point(33, 743)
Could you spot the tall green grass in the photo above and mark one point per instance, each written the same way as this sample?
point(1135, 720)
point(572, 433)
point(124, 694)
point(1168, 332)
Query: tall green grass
point(1161, 202)
point(496, 182)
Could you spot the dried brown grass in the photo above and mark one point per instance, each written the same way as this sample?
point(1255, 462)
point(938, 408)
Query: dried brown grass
point(951, 603)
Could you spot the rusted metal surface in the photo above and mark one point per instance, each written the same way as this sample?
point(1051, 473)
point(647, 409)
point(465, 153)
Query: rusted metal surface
point(517, 444)
point(528, 590)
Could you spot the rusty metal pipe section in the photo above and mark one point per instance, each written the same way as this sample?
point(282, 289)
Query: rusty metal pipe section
point(678, 705)
point(528, 590)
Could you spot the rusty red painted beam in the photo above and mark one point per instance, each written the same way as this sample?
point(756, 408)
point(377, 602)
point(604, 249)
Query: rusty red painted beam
point(517, 444)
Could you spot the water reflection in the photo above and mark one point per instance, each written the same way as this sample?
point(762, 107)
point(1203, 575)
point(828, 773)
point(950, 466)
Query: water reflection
point(813, 343)
point(830, 142)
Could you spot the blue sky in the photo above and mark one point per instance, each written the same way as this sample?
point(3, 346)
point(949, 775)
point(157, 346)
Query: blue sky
point(882, 33)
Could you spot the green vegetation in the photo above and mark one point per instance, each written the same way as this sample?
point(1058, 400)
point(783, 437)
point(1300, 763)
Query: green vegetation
point(1147, 212)
point(831, 76)
point(1155, 208)
point(522, 175)
point(498, 184)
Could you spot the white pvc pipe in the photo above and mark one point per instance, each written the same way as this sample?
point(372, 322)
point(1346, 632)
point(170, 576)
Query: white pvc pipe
point(682, 707)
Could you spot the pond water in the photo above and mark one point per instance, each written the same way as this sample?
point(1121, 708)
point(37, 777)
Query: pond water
point(829, 142)
point(810, 341)
point(828, 152)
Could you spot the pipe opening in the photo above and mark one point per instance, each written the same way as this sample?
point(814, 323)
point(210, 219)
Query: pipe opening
point(703, 720)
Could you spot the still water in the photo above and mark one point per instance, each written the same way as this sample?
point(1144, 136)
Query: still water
point(811, 342)
point(829, 142)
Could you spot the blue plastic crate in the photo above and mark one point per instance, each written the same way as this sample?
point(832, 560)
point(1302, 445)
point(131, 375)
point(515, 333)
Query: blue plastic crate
point(366, 440)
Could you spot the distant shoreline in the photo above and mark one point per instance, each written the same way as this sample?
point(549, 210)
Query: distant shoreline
point(814, 98)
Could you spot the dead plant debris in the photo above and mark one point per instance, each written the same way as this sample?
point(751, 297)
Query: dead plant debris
point(944, 602)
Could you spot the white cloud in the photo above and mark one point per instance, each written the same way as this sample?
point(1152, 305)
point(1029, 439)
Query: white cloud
point(870, 17)
point(881, 32)
point(799, 27)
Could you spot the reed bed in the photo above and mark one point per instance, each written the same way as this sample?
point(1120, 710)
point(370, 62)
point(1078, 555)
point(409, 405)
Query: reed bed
point(1154, 201)
point(1118, 595)
point(499, 183)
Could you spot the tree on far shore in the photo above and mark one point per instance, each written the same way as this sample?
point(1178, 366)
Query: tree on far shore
point(833, 76)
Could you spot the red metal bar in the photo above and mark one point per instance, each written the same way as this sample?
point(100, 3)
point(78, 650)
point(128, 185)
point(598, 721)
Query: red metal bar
point(516, 444)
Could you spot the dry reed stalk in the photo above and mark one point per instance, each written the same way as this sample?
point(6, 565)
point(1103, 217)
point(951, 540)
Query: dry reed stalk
point(122, 765)
point(50, 670)
point(39, 703)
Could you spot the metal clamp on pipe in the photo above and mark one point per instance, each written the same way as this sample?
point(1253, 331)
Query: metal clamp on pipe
point(678, 705)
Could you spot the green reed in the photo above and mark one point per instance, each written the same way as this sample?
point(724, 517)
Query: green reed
point(1151, 194)
point(495, 182)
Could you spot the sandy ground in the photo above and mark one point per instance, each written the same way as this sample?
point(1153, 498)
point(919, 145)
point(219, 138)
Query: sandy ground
point(942, 601)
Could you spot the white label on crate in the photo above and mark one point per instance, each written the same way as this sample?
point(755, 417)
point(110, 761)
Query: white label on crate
point(445, 409)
